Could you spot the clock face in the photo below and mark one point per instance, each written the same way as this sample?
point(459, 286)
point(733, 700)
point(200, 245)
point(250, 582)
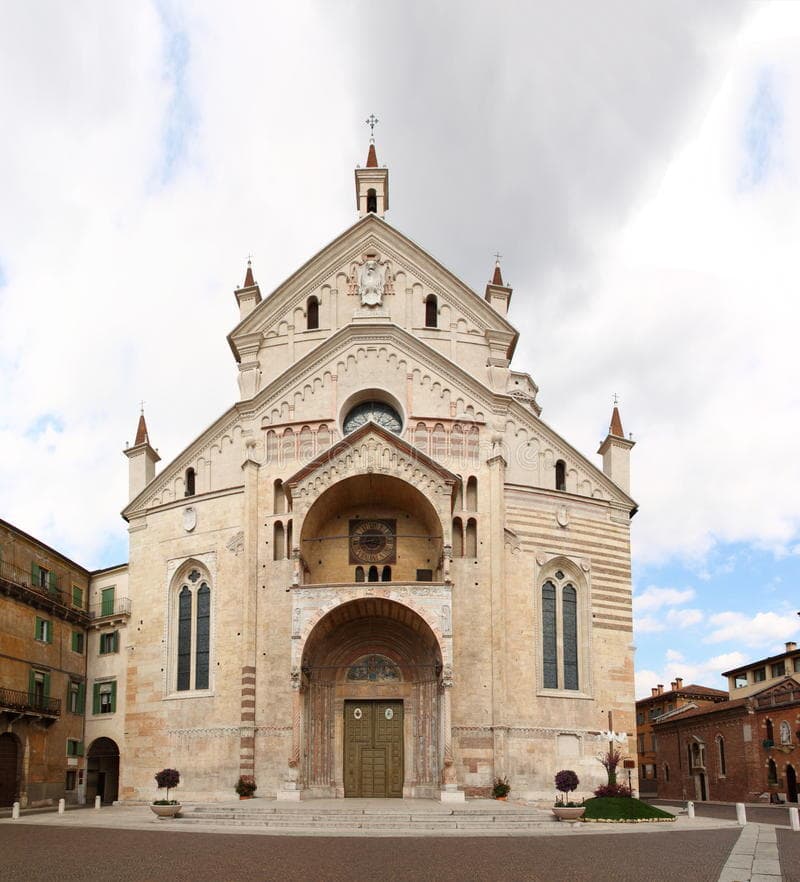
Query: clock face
point(377, 411)
point(373, 541)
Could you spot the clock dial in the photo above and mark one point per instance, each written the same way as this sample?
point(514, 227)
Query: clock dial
point(380, 413)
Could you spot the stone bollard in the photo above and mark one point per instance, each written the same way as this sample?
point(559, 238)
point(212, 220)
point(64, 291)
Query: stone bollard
point(794, 819)
point(15, 811)
point(61, 804)
point(741, 814)
point(690, 809)
point(97, 803)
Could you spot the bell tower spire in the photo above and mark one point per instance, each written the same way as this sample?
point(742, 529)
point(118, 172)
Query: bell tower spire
point(372, 181)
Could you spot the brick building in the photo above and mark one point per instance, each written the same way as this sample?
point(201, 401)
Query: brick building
point(658, 704)
point(54, 614)
point(745, 749)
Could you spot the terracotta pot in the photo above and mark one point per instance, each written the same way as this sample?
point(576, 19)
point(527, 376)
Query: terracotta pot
point(246, 797)
point(568, 813)
point(501, 798)
point(166, 811)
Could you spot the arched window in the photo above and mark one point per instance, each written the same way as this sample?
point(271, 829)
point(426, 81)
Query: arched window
point(770, 731)
point(192, 632)
point(373, 574)
point(421, 438)
point(189, 482)
point(561, 475)
point(289, 540)
point(472, 538)
point(471, 503)
point(721, 755)
point(312, 313)
point(359, 574)
point(279, 504)
point(431, 311)
point(561, 663)
point(288, 445)
point(473, 443)
point(439, 442)
point(786, 733)
point(772, 772)
point(278, 540)
point(372, 201)
point(306, 443)
point(666, 771)
point(457, 443)
point(458, 538)
point(386, 574)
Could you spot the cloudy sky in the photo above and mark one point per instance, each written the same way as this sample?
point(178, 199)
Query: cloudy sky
point(636, 165)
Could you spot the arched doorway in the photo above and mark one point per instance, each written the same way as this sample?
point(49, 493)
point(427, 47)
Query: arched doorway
point(9, 768)
point(791, 784)
point(102, 771)
point(372, 703)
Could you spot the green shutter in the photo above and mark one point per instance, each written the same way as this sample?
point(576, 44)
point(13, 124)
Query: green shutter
point(96, 699)
point(81, 697)
point(47, 685)
point(79, 749)
point(34, 574)
point(37, 633)
point(113, 696)
point(49, 632)
point(107, 602)
point(75, 641)
point(51, 579)
point(31, 684)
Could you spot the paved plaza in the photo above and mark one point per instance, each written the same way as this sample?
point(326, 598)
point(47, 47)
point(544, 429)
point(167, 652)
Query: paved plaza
point(234, 843)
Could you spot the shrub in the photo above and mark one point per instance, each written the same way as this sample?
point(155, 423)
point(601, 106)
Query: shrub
point(566, 782)
point(246, 785)
point(501, 788)
point(610, 760)
point(168, 778)
point(613, 790)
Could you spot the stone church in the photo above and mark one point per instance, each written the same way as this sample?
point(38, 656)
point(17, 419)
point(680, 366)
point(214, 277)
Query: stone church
point(379, 572)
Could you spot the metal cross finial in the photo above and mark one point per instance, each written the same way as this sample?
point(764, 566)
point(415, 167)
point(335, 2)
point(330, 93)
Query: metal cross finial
point(497, 256)
point(372, 121)
point(141, 407)
point(249, 259)
point(616, 399)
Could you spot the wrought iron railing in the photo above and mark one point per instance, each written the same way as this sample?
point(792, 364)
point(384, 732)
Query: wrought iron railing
point(121, 606)
point(27, 702)
point(24, 579)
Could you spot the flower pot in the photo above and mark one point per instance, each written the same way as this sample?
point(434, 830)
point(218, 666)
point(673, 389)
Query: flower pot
point(501, 798)
point(166, 811)
point(249, 796)
point(568, 813)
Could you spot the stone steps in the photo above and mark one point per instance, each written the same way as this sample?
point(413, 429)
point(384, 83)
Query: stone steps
point(319, 820)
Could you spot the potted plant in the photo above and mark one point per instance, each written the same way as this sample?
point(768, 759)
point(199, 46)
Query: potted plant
point(167, 808)
point(246, 786)
point(501, 788)
point(566, 782)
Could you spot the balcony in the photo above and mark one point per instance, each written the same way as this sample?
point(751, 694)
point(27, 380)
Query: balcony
point(109, 612)
point(16, 582)
point(29, 704)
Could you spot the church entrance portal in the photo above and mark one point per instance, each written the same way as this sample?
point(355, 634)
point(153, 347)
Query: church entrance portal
point(373, 748)
point(371, 697)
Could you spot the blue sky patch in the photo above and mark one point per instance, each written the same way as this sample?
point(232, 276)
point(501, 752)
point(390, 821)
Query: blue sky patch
point(42, 423)
point(762, 129)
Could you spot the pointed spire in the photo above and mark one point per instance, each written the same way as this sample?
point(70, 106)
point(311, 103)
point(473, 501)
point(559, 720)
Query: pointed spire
point(141, 431)
point(497, 278)
point(615, 428)
point(249, 281)
point(372, 156)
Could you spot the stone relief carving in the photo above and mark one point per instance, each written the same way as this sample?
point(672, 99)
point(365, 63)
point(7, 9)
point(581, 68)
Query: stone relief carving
point(189, 519)
point(236, 543)
point(447, 627)
point(562, 516)
point(371, 282)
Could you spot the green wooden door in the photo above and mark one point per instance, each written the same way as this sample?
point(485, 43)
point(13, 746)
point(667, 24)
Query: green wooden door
point(373, 749)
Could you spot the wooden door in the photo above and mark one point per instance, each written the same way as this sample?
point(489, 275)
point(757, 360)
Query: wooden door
point(373, 748)
point(8, 769)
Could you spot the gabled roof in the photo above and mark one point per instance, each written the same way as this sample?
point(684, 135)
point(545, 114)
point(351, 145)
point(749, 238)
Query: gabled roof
point(690, 691)
point(390, 438)
point(325, 261)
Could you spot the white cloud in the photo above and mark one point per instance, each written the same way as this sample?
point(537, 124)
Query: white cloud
point(703, 673)
point(763, 629)
point(653, 598)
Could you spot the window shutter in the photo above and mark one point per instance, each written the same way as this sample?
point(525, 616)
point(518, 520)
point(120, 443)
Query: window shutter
point(31, 684)
point(113, 696)
point(96, 699)
point(115, 641)
point(49, 631)
point(81, 697)
point(51, 578)
point(47, 685)
point(79, 749)
point(75, 641)
point(37, 633)
point(34, 574)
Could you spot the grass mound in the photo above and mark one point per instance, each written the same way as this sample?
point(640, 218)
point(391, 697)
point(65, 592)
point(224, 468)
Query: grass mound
point(620, 808)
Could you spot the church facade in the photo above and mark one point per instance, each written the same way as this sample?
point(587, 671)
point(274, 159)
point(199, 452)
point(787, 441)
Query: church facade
point(378, 573)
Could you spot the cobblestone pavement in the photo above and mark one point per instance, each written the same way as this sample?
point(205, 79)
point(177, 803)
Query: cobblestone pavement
point(36, 853)
point(789, 852)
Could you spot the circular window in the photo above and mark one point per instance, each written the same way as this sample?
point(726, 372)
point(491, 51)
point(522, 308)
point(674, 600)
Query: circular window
point(378, 411)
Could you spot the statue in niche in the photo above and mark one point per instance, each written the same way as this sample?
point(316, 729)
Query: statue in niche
point(446, 626)
point(371, 283)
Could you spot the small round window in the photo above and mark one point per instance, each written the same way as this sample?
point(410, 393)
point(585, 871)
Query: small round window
point(378, 411)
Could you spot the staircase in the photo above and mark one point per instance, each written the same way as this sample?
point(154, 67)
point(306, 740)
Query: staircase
point(400, 818)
